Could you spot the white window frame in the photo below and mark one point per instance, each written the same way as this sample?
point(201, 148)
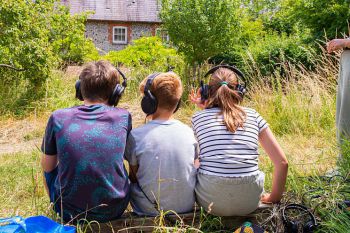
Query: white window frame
point(159, 34)
point(120, 41)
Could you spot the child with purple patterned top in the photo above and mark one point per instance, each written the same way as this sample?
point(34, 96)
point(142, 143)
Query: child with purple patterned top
point(83, 151)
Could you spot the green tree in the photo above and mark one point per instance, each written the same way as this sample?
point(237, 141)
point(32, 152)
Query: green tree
point(24, 40)
point(322, 17)
point(36, 37)
point(201, 29)
point(67, 35)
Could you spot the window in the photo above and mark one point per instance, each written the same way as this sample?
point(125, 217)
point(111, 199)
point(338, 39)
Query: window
point(163, 34)
point(120, 35)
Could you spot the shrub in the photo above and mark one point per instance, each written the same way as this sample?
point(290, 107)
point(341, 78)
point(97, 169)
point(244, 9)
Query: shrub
point(273, 50)
point(37, 37)
point(146, 51)
point(67, 34)
point(145, 56)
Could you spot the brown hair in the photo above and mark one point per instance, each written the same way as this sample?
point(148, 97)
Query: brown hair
point(167, 88)
point(222, 94)
point(98, 80)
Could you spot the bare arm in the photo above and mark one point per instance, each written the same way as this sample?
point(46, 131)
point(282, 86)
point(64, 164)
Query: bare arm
point(279, 160)
point(49, 162)
point(337, 44)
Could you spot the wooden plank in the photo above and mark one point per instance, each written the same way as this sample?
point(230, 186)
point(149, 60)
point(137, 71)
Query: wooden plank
point(131, 223)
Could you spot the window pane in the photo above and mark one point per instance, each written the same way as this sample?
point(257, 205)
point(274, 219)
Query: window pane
point(120, 34)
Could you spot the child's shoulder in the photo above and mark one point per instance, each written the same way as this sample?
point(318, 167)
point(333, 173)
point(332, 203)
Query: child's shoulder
point(177, 125)
point(119, 111)
point(205, 112)
point(117, 114)
point(249, 110)
point(183, 126)
point(63, 112)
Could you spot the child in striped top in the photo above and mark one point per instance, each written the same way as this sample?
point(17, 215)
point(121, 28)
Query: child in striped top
point(229, 180)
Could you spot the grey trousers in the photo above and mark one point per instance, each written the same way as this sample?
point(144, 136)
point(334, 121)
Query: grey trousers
point(343, 99)
point(226, 196)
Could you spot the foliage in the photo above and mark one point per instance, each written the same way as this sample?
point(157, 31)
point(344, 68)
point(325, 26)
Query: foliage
point(24, 40)
point(268, 53)
point(322, 17)
point(146, 51)
point(67, 34)
point(145, 56)
point(273, 50)
point(202, 28)
point(37, 36)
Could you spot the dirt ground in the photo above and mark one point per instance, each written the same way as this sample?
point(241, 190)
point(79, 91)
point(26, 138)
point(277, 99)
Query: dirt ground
point(25, 135)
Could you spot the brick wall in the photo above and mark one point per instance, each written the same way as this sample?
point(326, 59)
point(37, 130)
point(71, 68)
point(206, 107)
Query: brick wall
point(101, 33)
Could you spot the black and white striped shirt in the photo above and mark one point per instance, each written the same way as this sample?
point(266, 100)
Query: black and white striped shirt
point(227, 154)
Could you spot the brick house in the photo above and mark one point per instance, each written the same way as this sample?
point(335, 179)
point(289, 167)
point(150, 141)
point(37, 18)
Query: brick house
point(115, 23)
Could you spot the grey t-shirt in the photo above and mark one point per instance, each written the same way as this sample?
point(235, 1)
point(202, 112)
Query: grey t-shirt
point(165, 152)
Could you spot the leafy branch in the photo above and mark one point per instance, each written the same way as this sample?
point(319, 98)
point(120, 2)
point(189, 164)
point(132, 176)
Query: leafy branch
point(11, 67)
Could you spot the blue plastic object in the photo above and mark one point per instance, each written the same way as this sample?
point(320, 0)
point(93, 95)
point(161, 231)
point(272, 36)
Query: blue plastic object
point(37, 224)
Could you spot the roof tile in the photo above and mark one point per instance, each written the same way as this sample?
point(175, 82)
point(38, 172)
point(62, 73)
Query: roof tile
point(117, 10)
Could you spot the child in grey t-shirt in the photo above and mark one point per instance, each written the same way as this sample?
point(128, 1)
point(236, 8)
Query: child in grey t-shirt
point(161, 153)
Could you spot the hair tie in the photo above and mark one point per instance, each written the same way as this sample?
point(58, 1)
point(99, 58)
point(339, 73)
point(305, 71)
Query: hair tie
point(224, 83)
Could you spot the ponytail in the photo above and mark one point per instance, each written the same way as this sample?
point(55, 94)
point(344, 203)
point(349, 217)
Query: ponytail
point(222, 94)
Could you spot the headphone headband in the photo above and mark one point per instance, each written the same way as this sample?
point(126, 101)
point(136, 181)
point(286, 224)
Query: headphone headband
point(232, 68)
point(292, 225)
point(116, 94)
point(124, 83)
point(148, 84)
point(240, 88)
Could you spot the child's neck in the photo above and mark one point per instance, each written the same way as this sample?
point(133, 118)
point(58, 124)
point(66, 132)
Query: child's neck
point(162, 114)
point(91, 102)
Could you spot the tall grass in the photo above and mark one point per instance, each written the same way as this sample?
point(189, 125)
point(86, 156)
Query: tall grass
point(298, 104)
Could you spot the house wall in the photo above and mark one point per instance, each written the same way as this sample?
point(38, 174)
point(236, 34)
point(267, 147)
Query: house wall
point(101, 33)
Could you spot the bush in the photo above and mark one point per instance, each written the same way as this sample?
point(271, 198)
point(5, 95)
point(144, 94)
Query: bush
point(37, 37)
point(145, 56)
point(147, 52)
point(67, 34)
point(322, 17)
point(273, 50)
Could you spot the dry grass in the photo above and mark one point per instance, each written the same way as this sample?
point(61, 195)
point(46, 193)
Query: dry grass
point(299, 106)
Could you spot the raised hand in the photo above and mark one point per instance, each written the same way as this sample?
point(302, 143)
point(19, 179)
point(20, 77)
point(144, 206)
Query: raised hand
point(195, 97)
point(337, 44)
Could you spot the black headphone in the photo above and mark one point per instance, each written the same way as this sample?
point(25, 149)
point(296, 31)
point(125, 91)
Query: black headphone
point(149, 102)
point(292, 226)
point(240, 88)
point(114, 98)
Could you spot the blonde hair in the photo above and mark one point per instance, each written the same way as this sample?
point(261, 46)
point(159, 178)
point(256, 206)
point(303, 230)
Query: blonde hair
point(222, 94)
point(167, 88)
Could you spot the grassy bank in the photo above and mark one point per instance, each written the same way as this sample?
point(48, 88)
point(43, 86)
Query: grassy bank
point(299, 106)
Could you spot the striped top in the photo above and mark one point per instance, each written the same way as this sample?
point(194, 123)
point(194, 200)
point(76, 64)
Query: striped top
point(227, 154)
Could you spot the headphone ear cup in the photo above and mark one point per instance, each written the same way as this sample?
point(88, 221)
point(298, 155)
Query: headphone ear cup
point(149, 104)
point(309, 226)
point(117, 93)
point(178, 106)
point(293, 227)
point(204, 91)
point(241, 90)
point(78, 94)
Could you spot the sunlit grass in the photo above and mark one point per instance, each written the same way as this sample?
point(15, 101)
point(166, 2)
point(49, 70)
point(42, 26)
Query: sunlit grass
point(299, 107)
